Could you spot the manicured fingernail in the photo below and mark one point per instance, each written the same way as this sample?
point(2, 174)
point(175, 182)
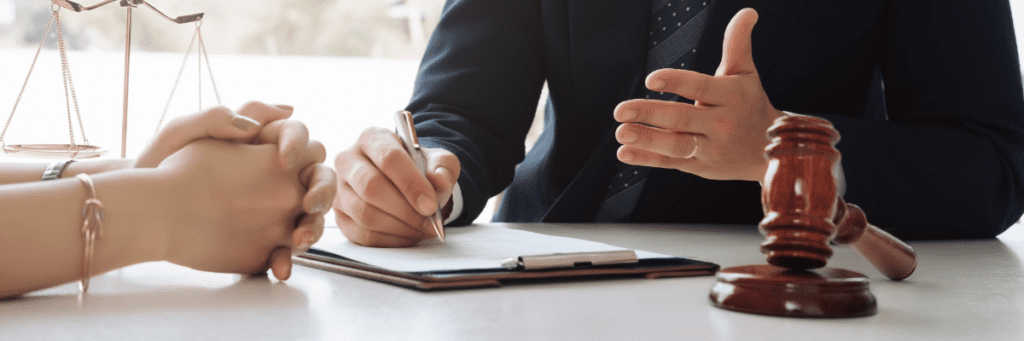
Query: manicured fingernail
point(426, 206)
point(285, 107)
point(628, 136)
point(305, 240)
point(627, 115)
point(656, 84)
point(244, 123)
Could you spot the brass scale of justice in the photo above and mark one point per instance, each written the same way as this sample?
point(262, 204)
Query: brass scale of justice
point(803, 212)
point(74, 150)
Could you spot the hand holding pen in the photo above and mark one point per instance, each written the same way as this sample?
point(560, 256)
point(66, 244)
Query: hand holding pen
point(406, 130)
point(384, 198)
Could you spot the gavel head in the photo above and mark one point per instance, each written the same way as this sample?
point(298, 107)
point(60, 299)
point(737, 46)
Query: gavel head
point(799, 192)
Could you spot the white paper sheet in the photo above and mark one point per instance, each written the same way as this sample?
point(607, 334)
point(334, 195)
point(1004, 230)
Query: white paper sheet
point(470, 247)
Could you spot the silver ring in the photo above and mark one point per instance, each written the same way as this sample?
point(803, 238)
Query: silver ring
point(695, 147)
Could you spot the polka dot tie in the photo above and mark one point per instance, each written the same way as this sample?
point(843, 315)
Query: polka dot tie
point(675, 28)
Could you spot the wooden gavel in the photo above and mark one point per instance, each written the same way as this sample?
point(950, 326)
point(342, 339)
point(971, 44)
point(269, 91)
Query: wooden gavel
point(803, 212)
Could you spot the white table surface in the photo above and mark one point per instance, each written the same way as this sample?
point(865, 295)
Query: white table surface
point(961, 290)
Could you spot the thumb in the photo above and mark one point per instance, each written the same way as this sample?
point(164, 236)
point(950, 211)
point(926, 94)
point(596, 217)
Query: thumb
point(443, 171)
point(217, 122)
point(737, 57)
point(280, 262)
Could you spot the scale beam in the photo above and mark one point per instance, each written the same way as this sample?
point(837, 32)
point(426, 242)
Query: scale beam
point(128, 5)
point(74, 6)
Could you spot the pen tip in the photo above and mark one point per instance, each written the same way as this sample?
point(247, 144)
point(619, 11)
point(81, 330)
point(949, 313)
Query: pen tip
point(438, 227)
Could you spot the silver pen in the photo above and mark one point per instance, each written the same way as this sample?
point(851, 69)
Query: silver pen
point(406, 130)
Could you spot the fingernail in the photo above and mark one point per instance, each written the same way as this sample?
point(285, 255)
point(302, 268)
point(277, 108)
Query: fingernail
point(305, 241)
point(285, 107)
point(426, 206)
point(627, 115)
point(628, 136)
point(244, 123)
point(626, 157)
point(444, 172)
point(656, 84)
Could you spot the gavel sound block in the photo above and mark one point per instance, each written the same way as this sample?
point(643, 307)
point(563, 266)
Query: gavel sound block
point(802, 215)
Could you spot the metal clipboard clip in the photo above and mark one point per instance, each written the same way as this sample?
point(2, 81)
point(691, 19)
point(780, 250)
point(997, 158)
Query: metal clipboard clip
point(570, 260)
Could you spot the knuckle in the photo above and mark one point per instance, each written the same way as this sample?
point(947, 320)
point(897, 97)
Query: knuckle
point(319, 150)
point(700, 88)
point(681, 122)
point(250, 106)
point(352, 232)
point(361, 212)
point(369, 134)
point(368, 184)
point(342, 159)
point(391, 158)
point(297, 127)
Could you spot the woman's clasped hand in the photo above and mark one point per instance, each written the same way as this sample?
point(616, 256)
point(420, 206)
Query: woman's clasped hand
point(219, 190)
point(246, 190)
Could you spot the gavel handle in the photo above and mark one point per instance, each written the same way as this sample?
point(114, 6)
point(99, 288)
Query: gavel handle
point(894, 258)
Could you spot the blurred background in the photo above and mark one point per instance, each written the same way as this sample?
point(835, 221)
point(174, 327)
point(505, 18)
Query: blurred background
point(344, 64)
point(396, 29)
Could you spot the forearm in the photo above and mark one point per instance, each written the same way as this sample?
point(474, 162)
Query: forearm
point(496, 59)
point(926, 182)
point(42, 222)
point(14, 173)
point(949, 163)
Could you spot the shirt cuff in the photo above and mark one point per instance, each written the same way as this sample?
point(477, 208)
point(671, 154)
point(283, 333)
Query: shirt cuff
point(456, 204)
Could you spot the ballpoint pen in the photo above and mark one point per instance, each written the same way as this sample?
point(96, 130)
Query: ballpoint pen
point(406, 130)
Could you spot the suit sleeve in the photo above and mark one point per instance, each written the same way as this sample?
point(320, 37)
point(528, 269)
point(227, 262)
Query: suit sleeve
point(477, 89)
point(949, 161)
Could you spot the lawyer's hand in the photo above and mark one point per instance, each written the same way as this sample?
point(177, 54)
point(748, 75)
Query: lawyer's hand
point(231, 207)
point(722, 135)
point(383, 200)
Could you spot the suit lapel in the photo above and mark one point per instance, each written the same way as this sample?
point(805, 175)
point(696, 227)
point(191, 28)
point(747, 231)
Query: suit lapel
point(608, 43)
point(607, 46)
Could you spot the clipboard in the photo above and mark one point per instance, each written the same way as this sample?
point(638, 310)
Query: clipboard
point(571, 266)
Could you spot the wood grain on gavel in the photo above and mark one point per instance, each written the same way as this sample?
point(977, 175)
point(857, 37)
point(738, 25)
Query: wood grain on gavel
point(803, 212)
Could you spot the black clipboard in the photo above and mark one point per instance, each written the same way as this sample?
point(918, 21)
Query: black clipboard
point(582, 268)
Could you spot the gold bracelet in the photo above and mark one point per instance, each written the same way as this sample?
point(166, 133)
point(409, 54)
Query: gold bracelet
point(91, 210)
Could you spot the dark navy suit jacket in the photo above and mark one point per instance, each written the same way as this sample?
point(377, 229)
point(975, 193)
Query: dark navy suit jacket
point(938, 153)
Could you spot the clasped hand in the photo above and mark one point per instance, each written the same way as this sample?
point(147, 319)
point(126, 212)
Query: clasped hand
point(722, 135)
point(246, 190)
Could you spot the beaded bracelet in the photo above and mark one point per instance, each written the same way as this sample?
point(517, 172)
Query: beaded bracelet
point(92, 211)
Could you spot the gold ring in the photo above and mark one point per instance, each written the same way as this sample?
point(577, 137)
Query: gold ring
point(695, 147)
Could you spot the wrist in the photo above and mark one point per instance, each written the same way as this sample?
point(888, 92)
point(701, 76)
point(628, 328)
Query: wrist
point(133, 203)
point(96, 167)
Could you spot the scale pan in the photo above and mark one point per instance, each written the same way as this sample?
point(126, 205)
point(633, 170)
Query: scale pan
point(54, 151)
